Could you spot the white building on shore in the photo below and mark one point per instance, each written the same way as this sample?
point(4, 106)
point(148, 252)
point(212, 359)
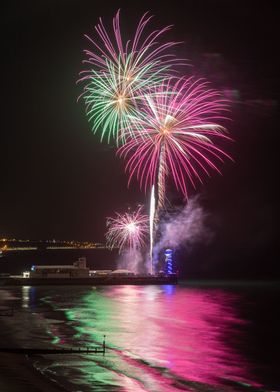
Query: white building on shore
point(77, 270)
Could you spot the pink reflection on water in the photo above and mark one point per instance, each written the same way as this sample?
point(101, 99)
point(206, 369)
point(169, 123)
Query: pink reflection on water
point(189, 332)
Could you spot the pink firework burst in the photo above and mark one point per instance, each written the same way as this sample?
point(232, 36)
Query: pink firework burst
point(143, 52)
point(177, 134)
point(127, 230)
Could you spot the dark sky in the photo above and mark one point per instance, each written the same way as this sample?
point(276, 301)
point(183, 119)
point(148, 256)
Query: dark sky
point(58, 181)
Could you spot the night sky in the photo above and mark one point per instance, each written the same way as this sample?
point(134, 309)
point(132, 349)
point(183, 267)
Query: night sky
point(58, 180)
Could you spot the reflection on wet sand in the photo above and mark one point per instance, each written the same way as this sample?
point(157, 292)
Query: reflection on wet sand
point(160, 338)
point(163, 333)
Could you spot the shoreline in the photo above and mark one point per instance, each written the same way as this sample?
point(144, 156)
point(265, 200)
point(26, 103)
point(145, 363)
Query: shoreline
point(18, 373)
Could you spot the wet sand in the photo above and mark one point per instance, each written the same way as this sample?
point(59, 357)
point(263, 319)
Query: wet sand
point(17, 374)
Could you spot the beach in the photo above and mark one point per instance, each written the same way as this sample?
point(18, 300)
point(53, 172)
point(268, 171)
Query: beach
point(18, 374)
point(158, 338)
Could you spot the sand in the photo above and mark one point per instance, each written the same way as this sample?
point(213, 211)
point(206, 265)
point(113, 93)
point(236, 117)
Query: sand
point(18, 375)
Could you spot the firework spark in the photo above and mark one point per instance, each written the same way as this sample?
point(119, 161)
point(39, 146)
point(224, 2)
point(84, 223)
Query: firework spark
point(119, 73)
point(127, 230)
point(178, 136)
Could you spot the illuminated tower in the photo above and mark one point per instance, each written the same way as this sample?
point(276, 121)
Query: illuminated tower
point(170, 267)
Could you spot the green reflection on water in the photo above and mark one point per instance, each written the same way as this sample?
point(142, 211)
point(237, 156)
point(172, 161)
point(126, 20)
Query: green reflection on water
point(92, 316)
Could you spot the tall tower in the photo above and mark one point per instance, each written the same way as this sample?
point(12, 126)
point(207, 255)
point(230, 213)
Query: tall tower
point(170, 267)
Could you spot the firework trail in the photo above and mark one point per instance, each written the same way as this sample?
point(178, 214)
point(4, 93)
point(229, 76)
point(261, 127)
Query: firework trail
point(152, 215)
point(119, 73)
point(127, 230)
point(178, 136)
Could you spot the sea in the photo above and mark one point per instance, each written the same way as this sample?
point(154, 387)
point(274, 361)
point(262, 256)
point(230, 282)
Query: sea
point(194, 336)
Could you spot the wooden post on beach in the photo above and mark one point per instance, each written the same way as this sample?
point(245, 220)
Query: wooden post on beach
point(104, 345)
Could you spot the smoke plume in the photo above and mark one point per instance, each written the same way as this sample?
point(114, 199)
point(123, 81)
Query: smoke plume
point(183, 228)
point(131, 260)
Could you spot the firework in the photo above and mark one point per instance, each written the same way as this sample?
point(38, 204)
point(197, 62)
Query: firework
point(127, 230)
point(179, 131)
point(152, 216)
point(111, 101)
point(178, 136)
point(119, 73)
